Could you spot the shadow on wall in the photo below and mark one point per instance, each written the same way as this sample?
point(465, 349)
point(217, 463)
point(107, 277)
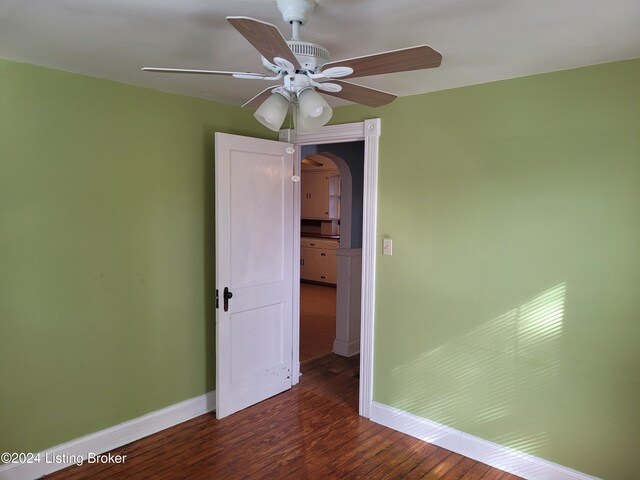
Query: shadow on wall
point(209, 258)
point(478, 379)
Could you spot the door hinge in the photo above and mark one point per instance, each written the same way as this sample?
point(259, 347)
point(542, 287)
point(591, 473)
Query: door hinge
point(217, 301)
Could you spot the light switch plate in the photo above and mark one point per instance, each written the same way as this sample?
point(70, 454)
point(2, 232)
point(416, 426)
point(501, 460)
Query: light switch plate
point(387, 246)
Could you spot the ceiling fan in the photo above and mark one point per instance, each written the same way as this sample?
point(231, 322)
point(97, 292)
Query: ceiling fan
point(305, 70)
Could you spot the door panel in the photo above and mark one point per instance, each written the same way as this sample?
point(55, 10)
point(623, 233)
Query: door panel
point(251, 354)
point(257, 218)
point(254, 260)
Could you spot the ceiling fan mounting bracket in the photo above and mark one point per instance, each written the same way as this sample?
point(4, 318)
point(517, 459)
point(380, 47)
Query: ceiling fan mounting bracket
point(296, 10)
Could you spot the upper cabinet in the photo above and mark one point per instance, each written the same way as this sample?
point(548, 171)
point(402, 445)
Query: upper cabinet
point(320, 192)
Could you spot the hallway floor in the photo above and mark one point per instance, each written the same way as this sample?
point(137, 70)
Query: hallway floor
point(317, 320)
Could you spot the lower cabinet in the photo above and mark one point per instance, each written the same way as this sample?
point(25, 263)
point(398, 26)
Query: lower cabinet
point(318, 260)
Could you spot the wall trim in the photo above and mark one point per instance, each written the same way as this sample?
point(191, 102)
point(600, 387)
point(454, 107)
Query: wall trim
point(372, 130)
point(493, 454)
point(113, 437)
point(369, 131)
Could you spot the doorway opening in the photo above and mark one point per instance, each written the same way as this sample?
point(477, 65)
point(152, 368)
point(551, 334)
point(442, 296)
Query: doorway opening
point(258, 181)
point(331, 201)
point(330, 249)
point(368, 132)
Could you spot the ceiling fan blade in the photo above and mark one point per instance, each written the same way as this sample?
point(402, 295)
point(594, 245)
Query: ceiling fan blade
point(364, 95)
point(265, 37)
point(404, 60)
point(248, 75)
point(256, 101)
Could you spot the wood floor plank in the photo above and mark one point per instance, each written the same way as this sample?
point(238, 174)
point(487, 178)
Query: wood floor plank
point(427, 466)
point(460, 470)
point(311, 432)
point(325, 445)
point(419, 453)
point(509, 476)
point(493, 474)
point(393, 453)
point(394, 457)
point(443, 467)
point(477, 472)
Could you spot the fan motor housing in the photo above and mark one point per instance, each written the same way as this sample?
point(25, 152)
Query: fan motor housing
point(310, 55)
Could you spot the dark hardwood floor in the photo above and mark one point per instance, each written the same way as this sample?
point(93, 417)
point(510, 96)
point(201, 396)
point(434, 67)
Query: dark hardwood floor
point(317, 320)
point(312, 431)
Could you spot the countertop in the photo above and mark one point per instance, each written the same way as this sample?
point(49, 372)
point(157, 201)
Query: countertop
point(317, 235)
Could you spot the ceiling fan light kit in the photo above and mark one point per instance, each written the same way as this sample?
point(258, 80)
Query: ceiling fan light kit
point(273, 110)
point(313, 105)
point(304, 68)
point(302, 124)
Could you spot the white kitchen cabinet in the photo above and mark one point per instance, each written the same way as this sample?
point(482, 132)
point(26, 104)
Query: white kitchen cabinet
point(330, 266)
point(320, 195)
point(318, 260)
point(311, 264)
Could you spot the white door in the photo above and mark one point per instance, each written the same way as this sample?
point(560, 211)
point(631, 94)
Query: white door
point(254, 264)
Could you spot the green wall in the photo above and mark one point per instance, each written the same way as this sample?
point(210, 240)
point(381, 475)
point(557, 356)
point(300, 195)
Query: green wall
point(106, 251)
point(510, 307)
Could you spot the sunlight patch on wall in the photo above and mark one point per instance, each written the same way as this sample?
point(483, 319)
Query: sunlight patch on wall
point(481, 377)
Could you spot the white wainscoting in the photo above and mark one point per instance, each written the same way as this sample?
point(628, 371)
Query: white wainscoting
point(347, 342)
point(498, 456)
point(113, 437)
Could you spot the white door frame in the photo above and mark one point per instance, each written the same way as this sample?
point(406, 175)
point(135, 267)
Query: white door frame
point(369, 132)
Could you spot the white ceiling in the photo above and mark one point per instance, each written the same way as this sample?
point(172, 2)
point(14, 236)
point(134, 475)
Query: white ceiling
point(481, 40)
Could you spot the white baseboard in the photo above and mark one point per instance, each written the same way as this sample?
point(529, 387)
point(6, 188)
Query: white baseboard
point(110, 438)
point(498, 456)
point(346, 349)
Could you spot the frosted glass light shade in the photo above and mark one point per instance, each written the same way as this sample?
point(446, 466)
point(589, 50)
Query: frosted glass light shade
point(307, 123)
point(299, 124)
point(272, 111)
point(314, 106)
